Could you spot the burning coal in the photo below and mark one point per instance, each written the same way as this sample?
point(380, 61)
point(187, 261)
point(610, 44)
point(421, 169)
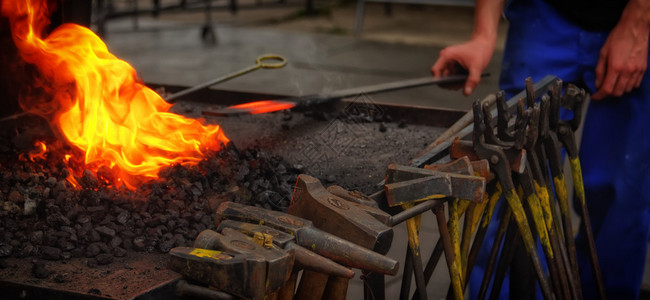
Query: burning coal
point(97, 103)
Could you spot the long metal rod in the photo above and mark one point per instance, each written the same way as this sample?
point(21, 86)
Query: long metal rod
point(464, 126)
point(266, 61)
point(397, 85)
point(415, 210)
point(256, 107)
point(211, 83)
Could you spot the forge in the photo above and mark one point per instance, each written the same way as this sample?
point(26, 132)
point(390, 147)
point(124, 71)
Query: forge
point(69, 229)
point(83, 234)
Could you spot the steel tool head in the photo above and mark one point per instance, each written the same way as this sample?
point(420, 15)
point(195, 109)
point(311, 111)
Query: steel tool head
point(574, 99)
point(353, 196)
point(338, 216)
point(408, 184)
point(356, 198)
point(490, 136)
point(325, 244)
point(459, 166)
point(481, 168)
point(530, 92)
point(503, 118)
point(494, 154)
point(555, 94)
point(277, 263)
point(251, 214)
point(460, 148)
point(280, 238)
point(303, 257)
point(225, 271)
point(464, 166)
point(544, 107)
point(417, 190)
point(549, 137)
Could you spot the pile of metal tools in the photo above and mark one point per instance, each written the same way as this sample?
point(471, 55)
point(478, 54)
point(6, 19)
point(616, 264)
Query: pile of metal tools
point(523, 155)
point(258, 253)
point(514, 154)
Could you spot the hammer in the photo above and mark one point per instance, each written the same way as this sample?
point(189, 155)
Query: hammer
point(229, 272)
point(307, 235)
point(346, 219)
point(277, 263)
point(310, 262)
point(405, 185)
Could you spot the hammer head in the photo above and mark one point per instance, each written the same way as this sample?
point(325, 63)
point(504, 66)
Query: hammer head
point(226, 271)
point(333, 247)
point(338, 216)
point(352, 196)
point(280, 238)
point(275, 262)
point(303, 257)
point(445, 184)
point(361, 201)
point(516, 158)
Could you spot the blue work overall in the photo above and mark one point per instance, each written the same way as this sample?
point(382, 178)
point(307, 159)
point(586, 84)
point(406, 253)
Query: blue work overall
point(615, 150)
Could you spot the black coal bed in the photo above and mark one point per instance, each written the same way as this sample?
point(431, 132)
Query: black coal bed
point(98, 241)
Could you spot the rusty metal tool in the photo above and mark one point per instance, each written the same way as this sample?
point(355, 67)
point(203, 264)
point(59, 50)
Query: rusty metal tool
point(413, 259)
point(413, 184)
point(276, 263)
point(538, 155)
point(410, 176)
point(516, 159)
point(563, 282)
point(552, 151)
point(510, 244)
point(464, 126)
point(547, 193)
point(498, 162)
point(454, 234)
point(188, 290)
point(504, 223)
point(461, 248)
point(337, 216)
point(407, 215)
point(349, 220)
point(266, 61)
point(526, 126)
point(464, 166)
point(307, 235)
point(265, 106)
point(575, 98)
point(447, 246)
point(492, 200)
point(228, 272)
point(517, 162)
point(526, 123)
point(303, 257)
point(353, 196)
point(490, 203)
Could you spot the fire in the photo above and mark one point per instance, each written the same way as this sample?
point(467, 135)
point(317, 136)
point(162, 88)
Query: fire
point(98, 104)
point(39, 152)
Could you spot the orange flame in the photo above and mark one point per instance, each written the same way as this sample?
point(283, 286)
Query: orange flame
point(98, 103)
